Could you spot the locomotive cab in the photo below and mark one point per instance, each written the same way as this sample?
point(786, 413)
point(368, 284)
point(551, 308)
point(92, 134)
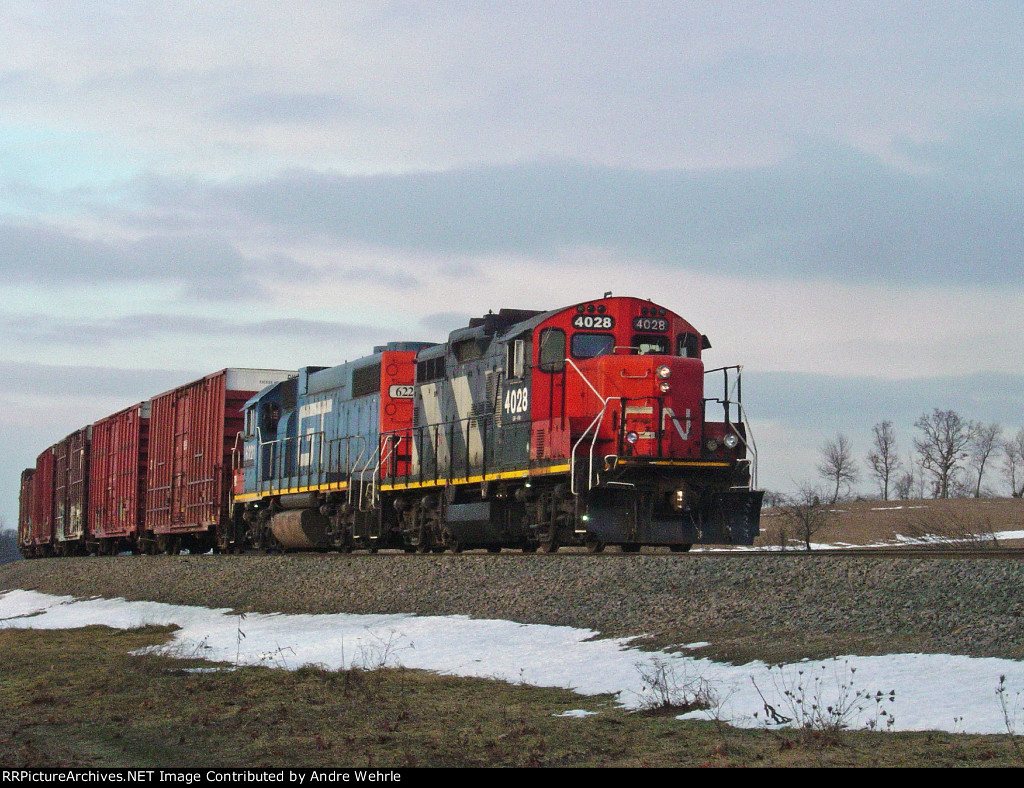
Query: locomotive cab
point(622, 382)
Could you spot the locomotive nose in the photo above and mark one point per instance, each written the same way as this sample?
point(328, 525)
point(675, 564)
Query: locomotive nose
point(657, 401)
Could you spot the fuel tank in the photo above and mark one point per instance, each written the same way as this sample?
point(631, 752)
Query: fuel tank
point(300, 529)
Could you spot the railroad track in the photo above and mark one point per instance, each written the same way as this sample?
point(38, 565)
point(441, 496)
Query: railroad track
point(1010, 553)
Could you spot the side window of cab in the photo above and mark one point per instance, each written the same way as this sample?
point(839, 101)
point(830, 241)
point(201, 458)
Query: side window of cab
point(551, 351)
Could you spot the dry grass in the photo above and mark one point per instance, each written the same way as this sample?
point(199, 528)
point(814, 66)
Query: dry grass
point(78, 698)
point(878, 522)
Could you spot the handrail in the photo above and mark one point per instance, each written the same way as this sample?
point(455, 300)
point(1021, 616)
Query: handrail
point(359, 473)
point(315, 467)
point(433, 456)
point(750, 445)
point(727, 401)
point(572, 454)
point(380, 462)
point(594, 425)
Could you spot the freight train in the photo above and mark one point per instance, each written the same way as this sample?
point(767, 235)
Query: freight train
point(591, 425)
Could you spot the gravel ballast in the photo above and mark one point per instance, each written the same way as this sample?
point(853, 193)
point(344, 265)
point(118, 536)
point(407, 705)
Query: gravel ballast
point(770, 607)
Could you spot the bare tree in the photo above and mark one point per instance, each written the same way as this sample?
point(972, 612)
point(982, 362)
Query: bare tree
point(772, 498)
point(837, 464)
point(1013, 463)
point(942, 447)
point(984, 442)
point(903, 485)
point(805, 512)
point(883, 459)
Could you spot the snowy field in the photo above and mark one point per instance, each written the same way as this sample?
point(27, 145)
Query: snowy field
point(899, 540)
point(931, 691)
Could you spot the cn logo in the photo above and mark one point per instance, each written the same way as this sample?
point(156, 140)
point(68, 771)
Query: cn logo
point(668, 415)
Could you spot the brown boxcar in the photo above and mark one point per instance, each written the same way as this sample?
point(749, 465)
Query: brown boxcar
point(41, 534)
point(71, 492)
point(26, 505)
point(117, 479)
point(192, 432)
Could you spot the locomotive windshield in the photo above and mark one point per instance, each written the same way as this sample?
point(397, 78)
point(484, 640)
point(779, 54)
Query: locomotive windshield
point(650, 344)
point(592, 345)
point(689, 345)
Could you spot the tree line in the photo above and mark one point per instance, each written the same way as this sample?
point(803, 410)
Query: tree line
point(8, 545)
point(952, 457)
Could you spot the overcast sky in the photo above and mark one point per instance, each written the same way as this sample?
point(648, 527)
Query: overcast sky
point(831, 191)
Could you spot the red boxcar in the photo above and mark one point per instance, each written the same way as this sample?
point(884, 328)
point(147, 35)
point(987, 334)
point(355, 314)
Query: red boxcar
point(71, 492)
point(26, 505)
point(192, 432)
point(117, 479)
point(41, 533)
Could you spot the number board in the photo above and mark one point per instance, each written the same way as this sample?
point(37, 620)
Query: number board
point(401, 391)
point(650, 324)
point(594, 322)
point(517, 403)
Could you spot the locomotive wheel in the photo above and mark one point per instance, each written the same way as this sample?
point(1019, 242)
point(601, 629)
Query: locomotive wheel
point(451, 542)
point(630, 547)
point(550, 546)
point(594, 545)
point(680, 548)
point(529, 548)
point(494, 549)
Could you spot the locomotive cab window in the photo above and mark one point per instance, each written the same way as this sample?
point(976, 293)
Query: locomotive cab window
point(515, 361)
point(271, 414)
point(650, 345)
point(689, 346)
point(592, 345)
point(551, 357)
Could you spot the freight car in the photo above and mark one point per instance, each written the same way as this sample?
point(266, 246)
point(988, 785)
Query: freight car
point(192, 430)
point(155, 476)
point(587, 425)
point(119, 457)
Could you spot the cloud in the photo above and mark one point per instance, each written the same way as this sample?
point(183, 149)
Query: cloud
point(50, 330)
point(90, 382)
point(444, 322)
point(204, 265)
point(828, 215)
point(847, 401)
point(295, 108)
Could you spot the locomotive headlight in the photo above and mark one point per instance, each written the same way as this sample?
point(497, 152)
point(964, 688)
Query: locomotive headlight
point(730, 440)
point(663, 372)
point(632, 437)
point(680, 499)
point(664, 387)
